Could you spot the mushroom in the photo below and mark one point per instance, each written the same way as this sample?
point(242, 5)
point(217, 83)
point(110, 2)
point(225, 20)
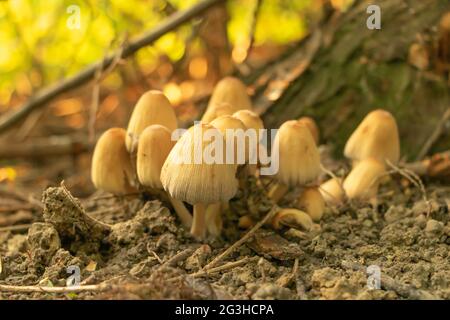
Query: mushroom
point(187, 176)
point(332, 191)
point(152, 108)
point(312, 126)
point(228, 126)
point(363, 181)
point(294, 218)
point(312, 202)
point(252, 121)
point(111, 166)
point(299, 160)
point(228, 90)
point(218, 110)
point(154, 146)
point(376, 137)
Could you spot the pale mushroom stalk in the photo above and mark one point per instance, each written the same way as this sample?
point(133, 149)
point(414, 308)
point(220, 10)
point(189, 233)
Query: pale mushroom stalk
point(214, 218)
point(198, 228)
point(154, 145)
point(299, 159)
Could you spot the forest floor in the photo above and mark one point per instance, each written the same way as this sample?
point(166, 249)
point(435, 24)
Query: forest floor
point(135, 248)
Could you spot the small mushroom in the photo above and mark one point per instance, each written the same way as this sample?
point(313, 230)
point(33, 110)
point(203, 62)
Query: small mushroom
point(332, 191)
point(111, 166)
point(376, 137)
point(299, 159)
point(199, 183)
point(218, 110)
point(312, 126)
point(293, 218)
point(363, 181)
point(227, 125)
point(228, 90)
point(252, 121)
point(152, 108)
point(312, 202)
point(154, 146)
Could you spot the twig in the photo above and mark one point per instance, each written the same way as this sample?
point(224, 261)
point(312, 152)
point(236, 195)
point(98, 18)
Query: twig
point(180, 256)
point(45, 289)
point(256, 12)
point(225, 267)
point(43, 97)
point(100, 74)
point(434, 135)
point(241, 241)
point(415, 179)
point(389, 283)
point(18, 227)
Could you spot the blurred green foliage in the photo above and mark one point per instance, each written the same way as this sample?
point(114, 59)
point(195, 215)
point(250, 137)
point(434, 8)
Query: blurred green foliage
point(38, 48)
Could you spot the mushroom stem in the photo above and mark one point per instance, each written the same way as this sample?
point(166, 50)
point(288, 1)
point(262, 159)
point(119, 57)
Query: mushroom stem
point(277, 192)
point(183, 213)
point(214, 219)
point(198, 228)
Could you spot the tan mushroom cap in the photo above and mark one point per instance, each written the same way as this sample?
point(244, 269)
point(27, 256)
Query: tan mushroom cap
point(154, 146)
point(444, 23)
point(111, 166)
point(229, 90)
point(312, 202)
point(299, 159)
point(152, 108)
point(376, 137)
point(188, 180)
point(363, 181)
point(216, 111)
point(312, 126)
point(228, 125)
point(332, 191)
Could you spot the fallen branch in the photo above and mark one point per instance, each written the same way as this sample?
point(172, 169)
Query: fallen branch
point(48, 147)
point(244, 239)
point(434, 137)
point(47, 94)
point(19, 227)
point(45, 289)
point(389, 283)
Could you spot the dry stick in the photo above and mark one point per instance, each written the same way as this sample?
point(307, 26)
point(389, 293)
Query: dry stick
point(44, 289)
point(18, 227)
point(434, 136)
point(43, 97)
point(241, 241)
point(415, 179)
point(180, 256)
point(100, 74)
point(389, 283)
point(256, 12)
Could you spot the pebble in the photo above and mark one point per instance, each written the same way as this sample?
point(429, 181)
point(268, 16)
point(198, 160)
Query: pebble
point(434, 226)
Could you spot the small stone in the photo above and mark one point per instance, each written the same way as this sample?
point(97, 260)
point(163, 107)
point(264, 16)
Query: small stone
point(434, 227)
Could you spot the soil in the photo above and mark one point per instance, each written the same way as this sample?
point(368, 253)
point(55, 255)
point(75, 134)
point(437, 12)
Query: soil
point(137, 246)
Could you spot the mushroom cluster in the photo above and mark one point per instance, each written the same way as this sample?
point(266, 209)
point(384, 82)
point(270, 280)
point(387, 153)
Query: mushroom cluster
point(148, 157)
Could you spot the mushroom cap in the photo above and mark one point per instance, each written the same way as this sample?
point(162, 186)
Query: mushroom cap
point(152, 108)
point(312, 126)
point(154, 146)
point(363, 181)
point(332, 191)
point(227, 125)
point(299, 159)
point(376, 137)
point(228, 90)
point(250, 119)
point(444, 23)
point(196, 181)
point(312, 202)
point(217, 110)
point(111, 169)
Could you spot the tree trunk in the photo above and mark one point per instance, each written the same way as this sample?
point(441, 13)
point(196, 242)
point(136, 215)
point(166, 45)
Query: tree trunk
point(343, 70)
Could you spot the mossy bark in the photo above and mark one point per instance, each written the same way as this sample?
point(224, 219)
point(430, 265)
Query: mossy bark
point(355, 70)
